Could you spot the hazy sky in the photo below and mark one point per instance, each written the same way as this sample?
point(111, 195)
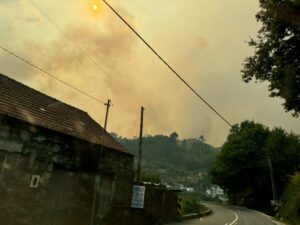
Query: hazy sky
point(205, 40)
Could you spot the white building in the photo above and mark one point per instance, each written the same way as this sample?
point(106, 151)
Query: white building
point(215, 191)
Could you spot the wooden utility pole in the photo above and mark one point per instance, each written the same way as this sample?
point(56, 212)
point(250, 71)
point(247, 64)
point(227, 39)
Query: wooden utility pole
point(97, 177)
point(140, 144)
point(107, 110)
point(272, 181)
point(108, 104)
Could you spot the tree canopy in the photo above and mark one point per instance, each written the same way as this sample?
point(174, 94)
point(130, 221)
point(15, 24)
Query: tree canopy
point(177, 158)
point(242, 167)
point(277, 53)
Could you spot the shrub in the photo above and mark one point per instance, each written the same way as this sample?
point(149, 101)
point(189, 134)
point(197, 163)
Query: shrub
point(290, 209)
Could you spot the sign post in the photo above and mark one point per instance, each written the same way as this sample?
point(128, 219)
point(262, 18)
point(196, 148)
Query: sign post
point(138, 196)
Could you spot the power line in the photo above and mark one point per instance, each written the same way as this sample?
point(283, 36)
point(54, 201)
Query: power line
point(81, 49)
point(167, 64)
point(51, 75)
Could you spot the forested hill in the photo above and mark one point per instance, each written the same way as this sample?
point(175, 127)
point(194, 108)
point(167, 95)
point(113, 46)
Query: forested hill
point(168, 153)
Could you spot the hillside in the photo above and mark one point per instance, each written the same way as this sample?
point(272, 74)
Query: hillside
point(173, 159)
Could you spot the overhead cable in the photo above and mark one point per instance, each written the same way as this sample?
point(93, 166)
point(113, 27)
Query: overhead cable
point(51, 75)
point(168, 65)
point(82, 50)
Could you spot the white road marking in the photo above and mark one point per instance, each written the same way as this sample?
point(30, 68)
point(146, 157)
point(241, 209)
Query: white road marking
point(235, 220)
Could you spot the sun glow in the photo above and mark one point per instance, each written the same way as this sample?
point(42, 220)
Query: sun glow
point(95, 7)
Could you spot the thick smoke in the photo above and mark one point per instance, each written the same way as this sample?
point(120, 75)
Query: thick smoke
point(205, 46)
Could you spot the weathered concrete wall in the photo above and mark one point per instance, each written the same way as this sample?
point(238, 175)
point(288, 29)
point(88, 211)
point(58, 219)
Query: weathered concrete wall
point(49, 178)
point(161, 203)
point(123, 176)
point(61, 197)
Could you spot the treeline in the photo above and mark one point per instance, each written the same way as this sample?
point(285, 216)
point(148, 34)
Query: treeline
point(244, 166)
point(161, 152)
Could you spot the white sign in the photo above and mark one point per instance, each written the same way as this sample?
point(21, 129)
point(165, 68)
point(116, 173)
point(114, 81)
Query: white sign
point(138, 196)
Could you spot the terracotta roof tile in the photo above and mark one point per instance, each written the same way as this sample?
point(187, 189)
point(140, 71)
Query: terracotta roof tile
point(27, 104)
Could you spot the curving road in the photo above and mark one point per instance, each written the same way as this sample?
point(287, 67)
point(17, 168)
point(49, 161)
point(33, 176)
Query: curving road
point(223, 215)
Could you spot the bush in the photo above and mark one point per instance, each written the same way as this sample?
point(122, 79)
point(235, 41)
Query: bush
point(190, 203)
point(190, 206)
point(290, 209)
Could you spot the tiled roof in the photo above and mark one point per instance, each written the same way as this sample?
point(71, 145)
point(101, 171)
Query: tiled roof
point(29, 105)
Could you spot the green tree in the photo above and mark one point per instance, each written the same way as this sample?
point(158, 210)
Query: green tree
point(150, 176)
point(202, 138)
point(174, 137)
point(277, 52)
point(284, 151)
point(242, 166)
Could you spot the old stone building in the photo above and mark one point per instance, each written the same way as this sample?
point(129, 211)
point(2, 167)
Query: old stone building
point(57, 165)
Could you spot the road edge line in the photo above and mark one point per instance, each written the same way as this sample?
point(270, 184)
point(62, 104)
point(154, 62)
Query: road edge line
point(236, 218)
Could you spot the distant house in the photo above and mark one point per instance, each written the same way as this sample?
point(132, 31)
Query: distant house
point(215, 191)
point(57, 165)
point(189, 189)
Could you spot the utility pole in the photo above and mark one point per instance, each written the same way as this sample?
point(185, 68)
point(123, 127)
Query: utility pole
point(108, 104)
point(140, 144)
point(272, 181)
point(98, 177)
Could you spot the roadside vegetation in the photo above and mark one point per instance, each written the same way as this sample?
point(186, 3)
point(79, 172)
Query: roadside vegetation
point(243, 167)
point(191, 204)
point(291, 200)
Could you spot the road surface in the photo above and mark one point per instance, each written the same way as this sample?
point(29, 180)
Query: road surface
point(223, 215)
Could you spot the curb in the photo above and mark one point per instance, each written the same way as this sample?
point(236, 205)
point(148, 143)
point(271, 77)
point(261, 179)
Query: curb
point(276, 222)
point(195, 215)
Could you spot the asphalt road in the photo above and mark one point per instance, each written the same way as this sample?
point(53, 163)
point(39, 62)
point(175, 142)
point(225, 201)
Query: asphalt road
point(223, 215)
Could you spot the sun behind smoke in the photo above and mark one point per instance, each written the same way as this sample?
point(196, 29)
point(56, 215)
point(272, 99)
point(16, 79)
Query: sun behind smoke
point(95, 8)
